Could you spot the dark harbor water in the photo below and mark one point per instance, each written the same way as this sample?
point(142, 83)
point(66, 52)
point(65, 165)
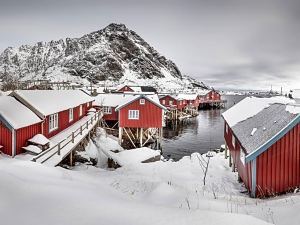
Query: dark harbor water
point(200, 134)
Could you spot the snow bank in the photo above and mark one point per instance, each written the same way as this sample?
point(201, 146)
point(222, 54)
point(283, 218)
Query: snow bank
point(249, 107)
point(39, 139)
point(134, 156)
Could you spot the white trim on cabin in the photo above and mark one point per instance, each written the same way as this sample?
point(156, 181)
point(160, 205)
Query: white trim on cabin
point(53, 122)
point(133, 114)
point(80, 110)
point(142, 101)
point(107, 110)
point(71, 115)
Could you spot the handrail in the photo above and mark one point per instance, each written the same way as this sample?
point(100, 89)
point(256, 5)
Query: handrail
point(60, 145)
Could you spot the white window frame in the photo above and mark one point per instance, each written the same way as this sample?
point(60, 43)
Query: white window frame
point(80, 110)
point(133, 114)
point(233, 141)
point(142, 101)
point(88, 104)
point(53, 122)
point(171, 102)
point(226, 128)
point(163, 101)
point(242, 156)
point(71, 115)
point(107, 110)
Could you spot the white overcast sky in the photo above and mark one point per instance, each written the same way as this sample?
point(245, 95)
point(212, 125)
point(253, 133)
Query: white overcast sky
point(225, 43)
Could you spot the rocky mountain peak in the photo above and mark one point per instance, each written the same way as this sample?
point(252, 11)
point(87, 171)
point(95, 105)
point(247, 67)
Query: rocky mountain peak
point(114, 53)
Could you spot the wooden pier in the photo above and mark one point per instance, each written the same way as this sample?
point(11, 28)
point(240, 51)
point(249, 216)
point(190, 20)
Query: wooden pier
point(212, 104)
point(66, 142)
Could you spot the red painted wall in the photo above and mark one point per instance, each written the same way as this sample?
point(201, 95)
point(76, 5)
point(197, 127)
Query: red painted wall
point(278, 168)
point(210, 96)
point(114, 116)
point(150, 115)
point(63, 120)
point(5, 139)
point(167, 100)
point(244, 171)
point(25, 133)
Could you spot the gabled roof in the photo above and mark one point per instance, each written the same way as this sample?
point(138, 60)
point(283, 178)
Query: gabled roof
point(16, 114)
point(47, 102)
point(151, 98)
point(172, 96)
point(112, 99)
point(203, 92)
point(187, 96)
point(264, 125)
point(140, 88)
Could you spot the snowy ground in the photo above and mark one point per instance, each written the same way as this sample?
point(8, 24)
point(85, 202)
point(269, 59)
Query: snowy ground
point(153, 193)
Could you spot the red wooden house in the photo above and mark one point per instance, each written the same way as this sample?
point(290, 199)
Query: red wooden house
point(25, 114)
point(171, 101)
point(109, 102)
point(191, 99)
point(58, 109)
point(208, 95)
point(140, 89)
point(143, 116)
point(17, 125)
point(263, 137)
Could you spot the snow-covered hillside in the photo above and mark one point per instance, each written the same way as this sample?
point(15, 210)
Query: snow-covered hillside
point(114, 54)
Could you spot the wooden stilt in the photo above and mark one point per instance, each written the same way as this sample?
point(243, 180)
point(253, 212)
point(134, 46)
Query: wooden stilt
point(120, 135)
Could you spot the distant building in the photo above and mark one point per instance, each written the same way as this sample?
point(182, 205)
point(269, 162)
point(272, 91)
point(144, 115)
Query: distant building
point(144, 89)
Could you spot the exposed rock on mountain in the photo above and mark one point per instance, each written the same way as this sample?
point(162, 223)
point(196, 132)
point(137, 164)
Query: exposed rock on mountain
point(114, 54)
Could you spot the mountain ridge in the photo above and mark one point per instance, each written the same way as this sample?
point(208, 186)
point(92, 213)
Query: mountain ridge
point(114, 54)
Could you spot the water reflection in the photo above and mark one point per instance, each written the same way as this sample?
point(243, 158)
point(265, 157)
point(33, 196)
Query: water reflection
point(200, 134)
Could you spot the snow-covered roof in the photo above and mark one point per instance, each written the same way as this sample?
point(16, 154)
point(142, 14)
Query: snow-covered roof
point(187, 96)
point(259, 129)
point(16, 114)
point(113, 100)
point(203, 92)
point(257, 121)
point(296, 93)
point(152, 98)
point(249, 107)
point(172, 96)
point(47, 102)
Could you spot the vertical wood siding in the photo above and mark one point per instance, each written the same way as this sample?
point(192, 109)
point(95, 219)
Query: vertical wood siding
point(5, 139)
point(63, 120)
point(114, 116)
point(278, 168)
point(25, 133)
point(150, 115)
point(244, 171)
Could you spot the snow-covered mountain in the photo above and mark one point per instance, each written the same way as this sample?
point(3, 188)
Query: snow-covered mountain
point(114, 54)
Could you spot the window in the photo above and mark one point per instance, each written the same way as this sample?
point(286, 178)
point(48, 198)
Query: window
point(142, 101)
point(133, 114)
point(53, 122)
point(170, 102)
point(226, 128)
point(242, 156)
point(80, 110)
point(233, 141)
point(180, 102)
point(71, 115)
point(107, 110)
point(88, 104)
point(164, 102)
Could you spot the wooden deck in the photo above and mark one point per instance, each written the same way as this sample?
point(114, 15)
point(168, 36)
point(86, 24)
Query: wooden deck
point(65, 142)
